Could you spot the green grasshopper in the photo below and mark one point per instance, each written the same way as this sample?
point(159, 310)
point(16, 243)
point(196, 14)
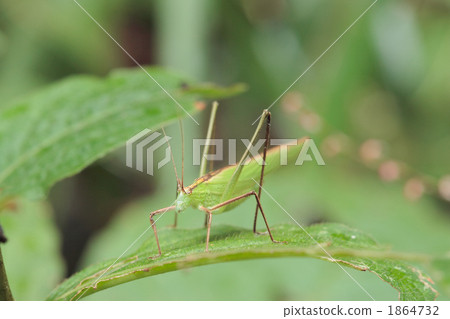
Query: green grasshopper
point(226, 188)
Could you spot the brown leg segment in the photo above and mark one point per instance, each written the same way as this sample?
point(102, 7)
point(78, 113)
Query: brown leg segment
point(208, 220)
point(258, 203)
point(152, 223)
point(261, 179)
point(175, 221)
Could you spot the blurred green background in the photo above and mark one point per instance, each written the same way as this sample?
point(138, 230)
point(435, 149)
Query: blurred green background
point(377, 105)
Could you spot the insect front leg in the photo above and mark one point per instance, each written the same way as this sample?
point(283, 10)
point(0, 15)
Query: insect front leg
point(152, 223)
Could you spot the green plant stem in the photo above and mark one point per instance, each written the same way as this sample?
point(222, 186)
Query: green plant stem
point(5, 291)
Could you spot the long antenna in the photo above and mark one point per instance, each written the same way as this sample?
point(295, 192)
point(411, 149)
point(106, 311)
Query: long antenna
point(213, 136)
point(173, 161)
point(208, 138)
point(182, 154)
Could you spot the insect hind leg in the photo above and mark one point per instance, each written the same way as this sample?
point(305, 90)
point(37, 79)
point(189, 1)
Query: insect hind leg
point(261, 179)
point(227, 202)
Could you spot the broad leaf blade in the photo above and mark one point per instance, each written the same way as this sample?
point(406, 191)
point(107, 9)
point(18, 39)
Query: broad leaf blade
point(185, 248)
point(65, 127)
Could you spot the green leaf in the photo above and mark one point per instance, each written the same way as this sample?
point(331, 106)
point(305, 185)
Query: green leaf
point(185, 248)
point(58, 131)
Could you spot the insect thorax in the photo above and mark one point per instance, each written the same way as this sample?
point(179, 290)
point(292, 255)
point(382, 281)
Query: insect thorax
point(182, 202)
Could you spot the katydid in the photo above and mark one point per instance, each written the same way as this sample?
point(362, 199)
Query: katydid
point(226, 188)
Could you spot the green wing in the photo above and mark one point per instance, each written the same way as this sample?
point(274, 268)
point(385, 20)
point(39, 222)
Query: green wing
point(209, 192)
